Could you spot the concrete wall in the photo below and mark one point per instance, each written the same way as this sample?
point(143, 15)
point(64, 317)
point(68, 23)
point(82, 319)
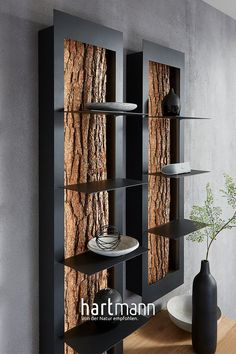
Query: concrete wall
point(209, 41)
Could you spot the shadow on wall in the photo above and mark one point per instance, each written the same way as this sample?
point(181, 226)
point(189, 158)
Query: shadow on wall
point(19, 185)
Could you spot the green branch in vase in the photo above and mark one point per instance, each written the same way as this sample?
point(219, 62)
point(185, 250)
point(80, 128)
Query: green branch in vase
point(212, 215)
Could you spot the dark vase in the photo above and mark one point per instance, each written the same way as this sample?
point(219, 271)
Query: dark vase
point(204, 317)
point(171, 104)
point(104, 296)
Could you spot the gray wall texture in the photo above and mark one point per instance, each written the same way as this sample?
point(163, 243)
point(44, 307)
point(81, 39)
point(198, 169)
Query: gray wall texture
point(208, 39)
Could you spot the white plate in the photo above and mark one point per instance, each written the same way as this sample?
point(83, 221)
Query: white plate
point(176, 168)
point(180, 311)
point(111, 106)
point(127, 244)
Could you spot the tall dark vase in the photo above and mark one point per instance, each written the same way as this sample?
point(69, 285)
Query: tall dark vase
point(204, 318)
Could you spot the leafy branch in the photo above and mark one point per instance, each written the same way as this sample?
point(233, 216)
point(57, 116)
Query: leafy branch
point(212, 215)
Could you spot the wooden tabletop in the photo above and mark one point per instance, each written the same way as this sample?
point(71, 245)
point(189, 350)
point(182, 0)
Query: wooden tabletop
point(161, 336)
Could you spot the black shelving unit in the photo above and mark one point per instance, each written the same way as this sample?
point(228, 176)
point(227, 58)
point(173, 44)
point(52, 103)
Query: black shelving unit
point(51, 140)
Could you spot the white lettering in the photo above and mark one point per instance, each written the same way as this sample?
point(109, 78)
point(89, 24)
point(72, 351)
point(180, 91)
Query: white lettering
point(133, 309)
point(95, 310)
point(85, 307)
point(119, 308)
point(152, 311)
point(109, 307)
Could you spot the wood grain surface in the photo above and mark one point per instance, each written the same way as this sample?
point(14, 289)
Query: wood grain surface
point(158, 155)
point(85, 75)
point(161, 336)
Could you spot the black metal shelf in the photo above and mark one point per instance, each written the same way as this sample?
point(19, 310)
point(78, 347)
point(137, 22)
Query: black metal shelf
point(180, 175)
point(90, 263)
point(125, 113)
point(106, 185)
point(177, 228)
point(87, 338)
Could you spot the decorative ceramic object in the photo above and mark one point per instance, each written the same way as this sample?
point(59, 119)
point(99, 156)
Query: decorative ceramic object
point(111, 106)
point(204, 318)
point(126, 245)
point(180, 312)
point(107, 243)
point(176, 168)
point(105, 320)
point(171, 104)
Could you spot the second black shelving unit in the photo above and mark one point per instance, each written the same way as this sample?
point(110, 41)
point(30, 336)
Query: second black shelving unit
point(137, 145)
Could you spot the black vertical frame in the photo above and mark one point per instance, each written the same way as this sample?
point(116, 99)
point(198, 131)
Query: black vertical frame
point(137, 167)
point(51, 203)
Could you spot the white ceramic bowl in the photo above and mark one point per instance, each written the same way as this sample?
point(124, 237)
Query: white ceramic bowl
point(111, 106)
point(180, 311)
point(127, 244)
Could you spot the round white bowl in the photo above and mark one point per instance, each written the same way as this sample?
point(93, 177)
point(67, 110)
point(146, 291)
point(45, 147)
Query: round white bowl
point(127, 244)
point(111, 106)
point(180, 311)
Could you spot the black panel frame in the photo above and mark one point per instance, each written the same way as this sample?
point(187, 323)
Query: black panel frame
point(51, 141)
point(137, 166)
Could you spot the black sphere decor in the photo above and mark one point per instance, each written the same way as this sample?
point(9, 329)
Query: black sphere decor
point(204, 316)
point(171, 104)
point(104, 318)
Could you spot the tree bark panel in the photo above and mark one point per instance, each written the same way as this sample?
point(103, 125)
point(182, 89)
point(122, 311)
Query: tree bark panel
point(158, 155)
point(85, 75)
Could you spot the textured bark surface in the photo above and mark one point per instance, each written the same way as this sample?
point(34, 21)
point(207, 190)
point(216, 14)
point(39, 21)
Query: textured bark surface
point(159, 155)
point(85, 69)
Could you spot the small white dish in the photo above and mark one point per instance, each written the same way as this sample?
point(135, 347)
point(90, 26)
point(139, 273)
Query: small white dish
point(180, 312)
point(111, 106)
point(126, 245)
point(176, 168)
